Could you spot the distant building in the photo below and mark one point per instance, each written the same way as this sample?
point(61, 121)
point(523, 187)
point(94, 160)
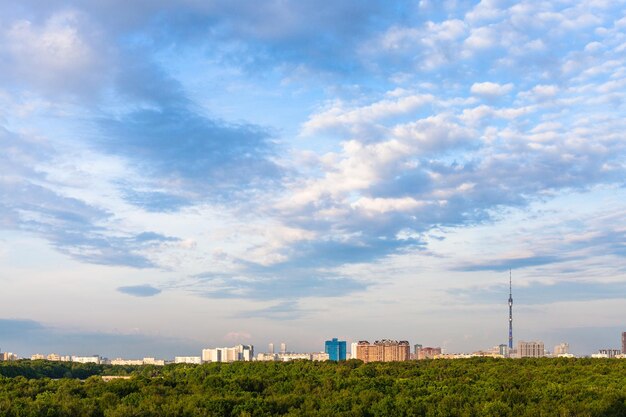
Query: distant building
point(624, 343)
point(353, 346)
point(126, 362)
point(336, 349)
point(8, 356)
point(383, 351)
point(87, 359)
point(37, 356)
point(153, 361)
point(533, 349)
point(561, 349)
point(270, 349)
point(283, 347)
point(54, 357)
point(266, 357)
point(196, 360)
point(226, 354)
point(320, 356)
point(610, 353)
point(286, 357)
point(503, 349)
point(428, 353)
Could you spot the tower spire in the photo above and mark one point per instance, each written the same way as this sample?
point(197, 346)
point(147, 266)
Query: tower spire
point(510, 312)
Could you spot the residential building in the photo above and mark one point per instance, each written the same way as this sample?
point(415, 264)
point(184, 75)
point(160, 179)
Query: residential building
point(560, 350)
point(503, 349)
point(428, 352)
point(226, 354)
point(353, 346)
point(8, 356)
point(153, 361)
point(624, 343)
point(270, 349)
point(196, 360)
point(533, 349)
point(54, 357)
point(127, 362)
point(87, 359)
point(37, 356)
point(320, 356)
point(336, 349)
point(286, 357)
point(610, 353)
point(383, 351)
point(283, 347)
point(267, 357)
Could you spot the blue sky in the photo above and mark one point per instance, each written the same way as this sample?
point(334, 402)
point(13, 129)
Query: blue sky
point(177, 175)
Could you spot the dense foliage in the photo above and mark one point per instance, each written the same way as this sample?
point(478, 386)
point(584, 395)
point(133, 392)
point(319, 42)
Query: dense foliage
point(472, 387)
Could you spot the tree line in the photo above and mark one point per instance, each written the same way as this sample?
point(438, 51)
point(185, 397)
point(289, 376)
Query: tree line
point(469, 387)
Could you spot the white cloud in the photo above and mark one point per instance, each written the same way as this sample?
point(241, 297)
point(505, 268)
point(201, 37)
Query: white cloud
point(353, 120)
point(490, 89)
point(56, 56)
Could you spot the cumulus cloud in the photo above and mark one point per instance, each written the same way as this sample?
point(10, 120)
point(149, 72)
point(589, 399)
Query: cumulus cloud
point(56, 56)
point(490, 89)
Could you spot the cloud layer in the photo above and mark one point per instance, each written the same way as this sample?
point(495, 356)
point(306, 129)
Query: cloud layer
point(284, 154)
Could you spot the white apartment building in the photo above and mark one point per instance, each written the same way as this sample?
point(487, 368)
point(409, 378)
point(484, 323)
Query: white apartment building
point(127, 362)
point(87, 359)
point(286, 357)
point(320, 356)
point(226, 354)
point(138, 362)
point(196, 360)
point(267, 357)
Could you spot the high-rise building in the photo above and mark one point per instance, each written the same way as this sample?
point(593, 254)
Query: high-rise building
point(561, 349)
point(336, 349)
point(226, 354)
point(196, 360)
point(624, 343)
point(353, 350)
point(270, 348)
point(428, 353)
point(530, 349)
point(503, 349)
point(383, 351)
point(283, 347)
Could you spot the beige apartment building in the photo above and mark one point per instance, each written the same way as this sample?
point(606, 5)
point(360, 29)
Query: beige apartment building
point(383, 351)
point(530, 349)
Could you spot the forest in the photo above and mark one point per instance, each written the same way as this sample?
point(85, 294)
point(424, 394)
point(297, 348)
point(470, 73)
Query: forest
point(467, 387)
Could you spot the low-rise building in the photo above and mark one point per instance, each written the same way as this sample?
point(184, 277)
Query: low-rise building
point(196, 360)
point(320, 356)
point(610, 353)
point(290, 356)
point(87, 359)
point(267, 357)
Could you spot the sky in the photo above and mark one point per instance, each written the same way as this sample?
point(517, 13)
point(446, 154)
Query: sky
point(177, 175)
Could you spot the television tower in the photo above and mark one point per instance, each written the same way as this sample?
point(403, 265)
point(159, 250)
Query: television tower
point(510, 313)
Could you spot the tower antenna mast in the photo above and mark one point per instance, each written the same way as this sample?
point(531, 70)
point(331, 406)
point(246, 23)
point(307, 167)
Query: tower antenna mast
point(510, 312)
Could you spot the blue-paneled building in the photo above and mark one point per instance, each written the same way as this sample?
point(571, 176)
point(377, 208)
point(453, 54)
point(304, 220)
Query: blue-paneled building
point(336, 349)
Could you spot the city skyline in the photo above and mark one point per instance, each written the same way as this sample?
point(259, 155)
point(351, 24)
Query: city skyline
point(184, 174)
